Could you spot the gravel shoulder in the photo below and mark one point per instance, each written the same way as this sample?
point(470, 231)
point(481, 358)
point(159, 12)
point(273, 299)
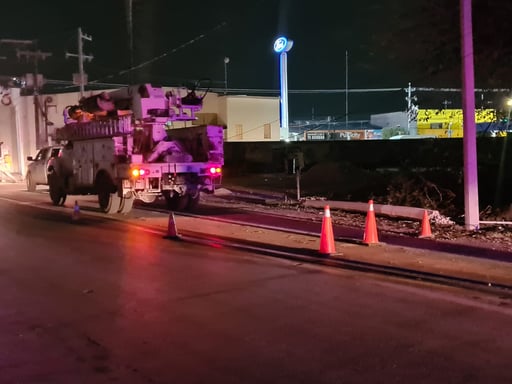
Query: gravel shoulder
point(496, 236)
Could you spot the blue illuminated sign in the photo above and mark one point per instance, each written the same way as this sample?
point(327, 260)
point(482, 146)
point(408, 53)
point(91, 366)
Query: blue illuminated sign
point(280, 44)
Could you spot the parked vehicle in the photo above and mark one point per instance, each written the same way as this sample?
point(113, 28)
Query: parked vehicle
point(122, 146)
point(36, 170)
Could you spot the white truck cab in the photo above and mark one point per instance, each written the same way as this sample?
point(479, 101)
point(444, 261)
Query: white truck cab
point(36, 169)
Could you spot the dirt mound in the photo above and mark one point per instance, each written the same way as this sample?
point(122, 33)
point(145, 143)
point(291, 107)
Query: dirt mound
point(342, 182)
point(396, 187)
point(436, 189)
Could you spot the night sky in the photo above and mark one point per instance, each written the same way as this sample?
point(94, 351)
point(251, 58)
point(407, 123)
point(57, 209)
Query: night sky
point(174, 43)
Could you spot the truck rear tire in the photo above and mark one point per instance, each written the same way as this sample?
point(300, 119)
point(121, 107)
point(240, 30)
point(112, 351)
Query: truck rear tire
point(110, 203)
point(193, 201)
point(176, 202)
point(108, 199)
point(126, 205)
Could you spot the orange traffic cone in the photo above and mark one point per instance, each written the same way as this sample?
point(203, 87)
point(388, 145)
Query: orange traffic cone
point(370, 231)
point(425, 226)
point(76, 212)
point(327, 246)
point(172, 232)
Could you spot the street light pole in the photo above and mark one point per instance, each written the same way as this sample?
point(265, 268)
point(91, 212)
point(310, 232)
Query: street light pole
point(282, 45)
point(226, 61)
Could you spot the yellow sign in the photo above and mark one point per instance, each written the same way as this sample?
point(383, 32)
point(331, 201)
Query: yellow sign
point(448, 122)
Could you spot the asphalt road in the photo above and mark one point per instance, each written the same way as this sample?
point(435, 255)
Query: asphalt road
point(102, 301)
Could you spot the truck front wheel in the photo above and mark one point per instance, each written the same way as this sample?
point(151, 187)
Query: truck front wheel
point(31, 185)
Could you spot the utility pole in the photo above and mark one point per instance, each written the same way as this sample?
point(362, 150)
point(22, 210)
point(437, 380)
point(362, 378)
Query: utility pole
point(81, 75)
point(129, 22)
point(37, 82)
point(446, 103)
point(471, 204)
point(411, 108)
point(36, 55)
point(346, 89)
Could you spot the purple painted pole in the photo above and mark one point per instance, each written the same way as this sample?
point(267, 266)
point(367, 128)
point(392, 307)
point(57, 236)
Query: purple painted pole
point(472, 214)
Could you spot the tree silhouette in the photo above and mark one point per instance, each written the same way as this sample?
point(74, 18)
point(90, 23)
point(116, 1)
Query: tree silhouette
point(426, 35)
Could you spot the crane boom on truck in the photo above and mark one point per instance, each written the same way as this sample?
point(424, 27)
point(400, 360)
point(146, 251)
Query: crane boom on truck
point(122, 146)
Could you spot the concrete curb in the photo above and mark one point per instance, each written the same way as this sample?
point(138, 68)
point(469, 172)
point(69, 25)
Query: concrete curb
point(350, 206)
point(380, 209)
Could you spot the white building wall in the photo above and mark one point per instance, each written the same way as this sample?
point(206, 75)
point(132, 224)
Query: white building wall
point(15, 120)
point(25, 117)
point(222, 110)
point(18, 127)
point(7, 132)
point(393, 120)
point(211, 103)
point(246, 118)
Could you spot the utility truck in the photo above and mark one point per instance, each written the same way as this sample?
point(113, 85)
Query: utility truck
point(123, 146)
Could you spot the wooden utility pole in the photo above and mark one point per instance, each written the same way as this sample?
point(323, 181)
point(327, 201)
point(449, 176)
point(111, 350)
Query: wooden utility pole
point(81, 58)
point(37, 83)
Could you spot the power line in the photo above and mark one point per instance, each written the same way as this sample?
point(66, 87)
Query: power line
point(174, 50)
point(355, 90)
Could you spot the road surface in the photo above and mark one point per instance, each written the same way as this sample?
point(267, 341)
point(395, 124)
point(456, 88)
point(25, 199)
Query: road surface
point(96, 300)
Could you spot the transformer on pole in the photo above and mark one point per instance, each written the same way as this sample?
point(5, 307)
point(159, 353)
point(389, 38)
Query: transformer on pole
point(34, 81)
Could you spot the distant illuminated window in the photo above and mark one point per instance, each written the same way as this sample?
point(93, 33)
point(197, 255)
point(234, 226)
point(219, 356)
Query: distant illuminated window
point(267, 131)
point(239, 132)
